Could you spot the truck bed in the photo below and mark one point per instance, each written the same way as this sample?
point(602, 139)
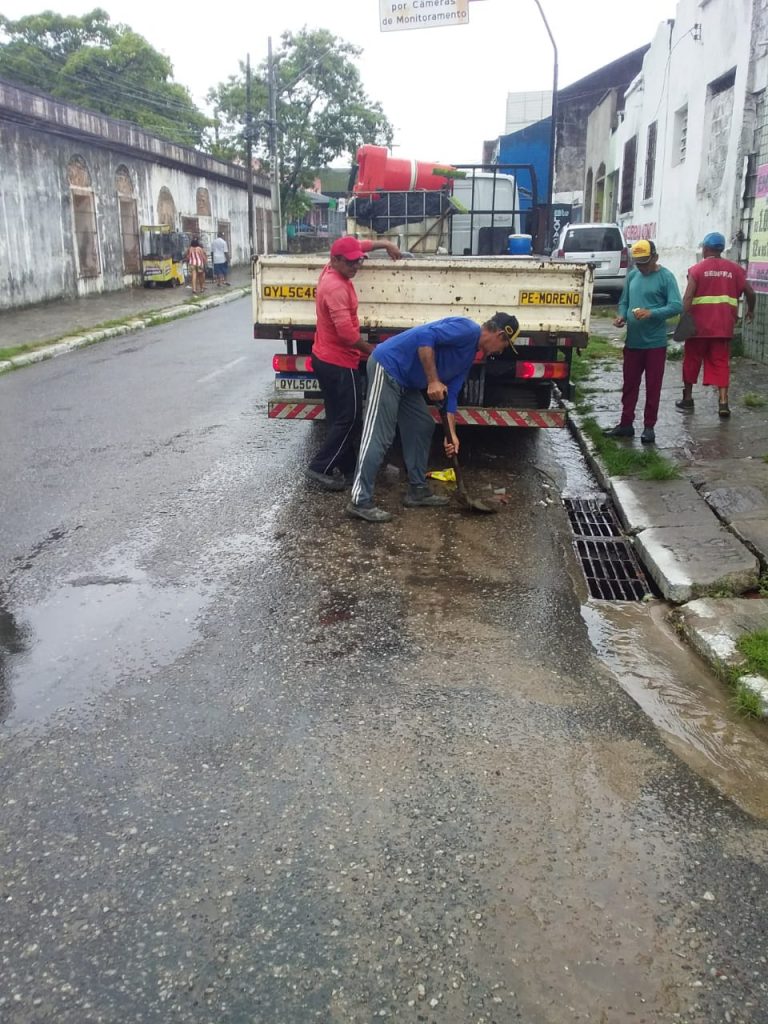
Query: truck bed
point(546, 297)
point(552, 301)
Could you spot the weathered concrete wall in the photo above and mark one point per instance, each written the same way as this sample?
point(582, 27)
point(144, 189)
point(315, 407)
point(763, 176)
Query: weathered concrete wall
point(755, 143)
point(575, 104)
point(699, 163)
point(601, 127)
point(39, 141)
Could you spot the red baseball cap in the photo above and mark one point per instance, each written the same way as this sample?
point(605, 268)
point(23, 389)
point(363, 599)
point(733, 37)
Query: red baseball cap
point(349, 248)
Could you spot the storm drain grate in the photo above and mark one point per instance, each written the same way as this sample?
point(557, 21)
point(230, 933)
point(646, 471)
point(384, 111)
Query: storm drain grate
point(612, 571)
point(592, 517)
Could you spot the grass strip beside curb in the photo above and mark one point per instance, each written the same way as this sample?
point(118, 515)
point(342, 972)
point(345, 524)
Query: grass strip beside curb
point(621, 460)
point(618, 459)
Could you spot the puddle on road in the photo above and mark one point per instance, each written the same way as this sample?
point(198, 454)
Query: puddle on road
point(683, 699)
point(13, 641)
point(91, 633)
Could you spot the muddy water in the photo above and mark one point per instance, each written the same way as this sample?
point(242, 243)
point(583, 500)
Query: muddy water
point(683, 699)
point(530, 859)
point(368, 773)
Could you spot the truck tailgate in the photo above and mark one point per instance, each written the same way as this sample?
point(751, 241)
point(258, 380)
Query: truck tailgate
point(548, 297)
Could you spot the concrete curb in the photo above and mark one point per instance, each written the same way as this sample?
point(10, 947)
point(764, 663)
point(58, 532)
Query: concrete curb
point(713, 627)
point(75, 341)
point(685, 547)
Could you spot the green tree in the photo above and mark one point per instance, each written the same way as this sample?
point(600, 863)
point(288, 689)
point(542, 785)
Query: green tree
point(102, 66)
point(323, 111)
point(227, 136)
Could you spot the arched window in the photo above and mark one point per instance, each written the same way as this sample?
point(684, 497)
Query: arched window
point(84, 218)
point(203, 203)
point(78, 173)
point(166, 208)
point(123, 181)
point(129, 222)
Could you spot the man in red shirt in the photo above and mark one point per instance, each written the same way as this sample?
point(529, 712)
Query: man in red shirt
point(336, 355)
point(712, 297)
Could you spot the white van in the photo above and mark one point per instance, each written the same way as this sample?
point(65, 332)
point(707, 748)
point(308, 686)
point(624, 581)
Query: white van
point(485, 232)
point(601, 244)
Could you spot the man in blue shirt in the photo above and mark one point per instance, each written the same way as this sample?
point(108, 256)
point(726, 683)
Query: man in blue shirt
point(435, 358)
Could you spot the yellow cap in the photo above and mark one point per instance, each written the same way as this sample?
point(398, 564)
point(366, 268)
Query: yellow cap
point(643, 250)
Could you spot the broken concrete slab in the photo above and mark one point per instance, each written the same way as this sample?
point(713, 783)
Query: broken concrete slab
point(714, 624)
point(694, 559)
point(737, 490)
point(745, 502)
point(729, 477)
point(754, 533)
point(646, 503)
point(759, 686)
point(713, 627)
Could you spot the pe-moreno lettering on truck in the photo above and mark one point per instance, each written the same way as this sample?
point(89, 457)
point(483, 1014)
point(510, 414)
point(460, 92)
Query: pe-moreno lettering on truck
point(551, 299)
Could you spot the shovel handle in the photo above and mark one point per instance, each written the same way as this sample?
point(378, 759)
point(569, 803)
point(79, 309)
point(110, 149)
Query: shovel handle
point(446, 424)
point(453, 459)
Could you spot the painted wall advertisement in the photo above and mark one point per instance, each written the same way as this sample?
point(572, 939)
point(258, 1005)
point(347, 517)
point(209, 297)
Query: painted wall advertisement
point(757, 270)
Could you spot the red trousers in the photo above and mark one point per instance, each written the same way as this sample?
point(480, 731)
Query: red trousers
point(637, 361)
point(714, 353)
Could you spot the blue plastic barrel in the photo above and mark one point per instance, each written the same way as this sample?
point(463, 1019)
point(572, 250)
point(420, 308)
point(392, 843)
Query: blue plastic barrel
point(519, 245)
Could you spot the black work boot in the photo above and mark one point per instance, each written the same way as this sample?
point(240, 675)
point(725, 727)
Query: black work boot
point(620, 431)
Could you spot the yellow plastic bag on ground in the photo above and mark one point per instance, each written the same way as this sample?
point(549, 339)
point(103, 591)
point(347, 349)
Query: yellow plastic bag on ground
point(448, 476)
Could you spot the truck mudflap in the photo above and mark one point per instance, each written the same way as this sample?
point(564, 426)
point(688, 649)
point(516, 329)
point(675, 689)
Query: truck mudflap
point(467, 416)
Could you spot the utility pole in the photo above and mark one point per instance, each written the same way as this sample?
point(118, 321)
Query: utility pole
point(278, 244)
point(552, 132)
point(249, 152)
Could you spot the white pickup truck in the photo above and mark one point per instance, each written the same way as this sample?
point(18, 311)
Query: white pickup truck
point(552, 301)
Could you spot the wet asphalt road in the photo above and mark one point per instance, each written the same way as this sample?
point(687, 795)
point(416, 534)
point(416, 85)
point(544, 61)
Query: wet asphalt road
point(260, 763)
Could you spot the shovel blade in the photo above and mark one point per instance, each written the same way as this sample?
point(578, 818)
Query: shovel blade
point(472, 504)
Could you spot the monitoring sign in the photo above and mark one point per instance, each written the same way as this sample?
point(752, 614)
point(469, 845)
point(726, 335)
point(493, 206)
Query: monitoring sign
point(397, 15)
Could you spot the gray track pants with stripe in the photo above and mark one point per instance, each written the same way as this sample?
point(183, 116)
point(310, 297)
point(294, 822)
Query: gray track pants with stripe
point(389, 407)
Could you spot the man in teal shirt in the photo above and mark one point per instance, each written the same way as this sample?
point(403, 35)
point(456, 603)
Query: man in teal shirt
point(649, 299)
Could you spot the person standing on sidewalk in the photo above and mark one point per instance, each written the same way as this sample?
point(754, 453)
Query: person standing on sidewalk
point(712, 298)
point(336, 354)
point(435, 358)
point(220, 253)
point(196, 261)
point(649, 299)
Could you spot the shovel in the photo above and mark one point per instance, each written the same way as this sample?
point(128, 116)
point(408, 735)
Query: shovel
point(471, 504)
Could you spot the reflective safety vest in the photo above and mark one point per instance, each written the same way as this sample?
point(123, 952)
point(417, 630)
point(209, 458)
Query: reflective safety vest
point(719, 284)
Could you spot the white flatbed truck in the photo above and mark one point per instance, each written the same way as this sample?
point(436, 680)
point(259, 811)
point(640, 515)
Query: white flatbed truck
point(552, 301)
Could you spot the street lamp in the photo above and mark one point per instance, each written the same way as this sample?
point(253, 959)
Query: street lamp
point(553, 127)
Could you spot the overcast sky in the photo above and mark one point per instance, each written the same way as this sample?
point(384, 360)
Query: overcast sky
point(443, 89)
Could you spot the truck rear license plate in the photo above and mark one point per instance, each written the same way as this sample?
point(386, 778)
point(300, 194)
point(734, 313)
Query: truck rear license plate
point(299, 292)
point(297, 384)
point(550, 298)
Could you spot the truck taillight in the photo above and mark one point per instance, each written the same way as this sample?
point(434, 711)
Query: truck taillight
point(291, 364)
point(561, 254)
point(624, 261)
point(537, 371)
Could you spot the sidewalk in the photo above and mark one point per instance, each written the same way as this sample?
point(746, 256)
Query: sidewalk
point(53, 321)
point(723, 459)
point(704, 535)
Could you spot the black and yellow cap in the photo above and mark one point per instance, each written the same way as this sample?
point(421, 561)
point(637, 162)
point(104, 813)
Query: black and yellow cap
point(508, 324)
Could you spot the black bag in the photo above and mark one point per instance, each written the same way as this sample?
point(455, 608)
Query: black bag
point(686, 327)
